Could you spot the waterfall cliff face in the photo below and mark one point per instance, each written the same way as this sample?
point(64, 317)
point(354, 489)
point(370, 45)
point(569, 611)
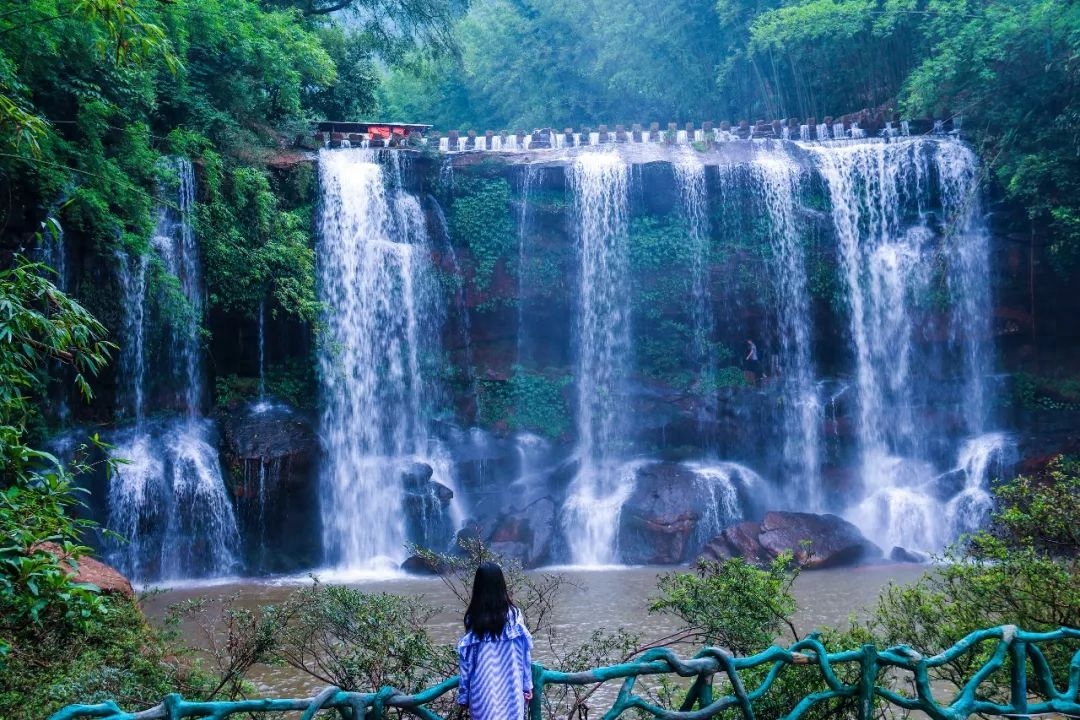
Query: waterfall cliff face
point(909, 306)
point(777, 180)
point(602, 351)
point(917, 284)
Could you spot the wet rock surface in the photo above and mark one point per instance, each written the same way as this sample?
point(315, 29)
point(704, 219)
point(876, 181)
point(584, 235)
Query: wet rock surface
point(903, 555)
point(658, 520)
point(93, 571)
point(269, 454)
point(815, 541)
point(524, 534)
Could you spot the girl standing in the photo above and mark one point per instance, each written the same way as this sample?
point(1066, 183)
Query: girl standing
point(495, 654)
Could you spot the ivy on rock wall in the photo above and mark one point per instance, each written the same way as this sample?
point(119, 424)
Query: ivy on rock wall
point(480, 219)
point(253, 249)
point(528, 401)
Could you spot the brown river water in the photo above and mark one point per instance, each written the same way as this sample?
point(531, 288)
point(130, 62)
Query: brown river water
point(609, 598)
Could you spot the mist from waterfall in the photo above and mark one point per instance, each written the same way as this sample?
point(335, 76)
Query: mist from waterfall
point(600, 184)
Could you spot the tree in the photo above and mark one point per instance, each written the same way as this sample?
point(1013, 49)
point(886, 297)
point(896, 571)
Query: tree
point(732, 604)
point(392, 27)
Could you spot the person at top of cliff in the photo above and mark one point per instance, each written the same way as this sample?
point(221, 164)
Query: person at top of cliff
point(495, 653)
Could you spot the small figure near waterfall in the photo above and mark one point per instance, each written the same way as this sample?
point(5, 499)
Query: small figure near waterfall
point(751, 363)
point(495, 654)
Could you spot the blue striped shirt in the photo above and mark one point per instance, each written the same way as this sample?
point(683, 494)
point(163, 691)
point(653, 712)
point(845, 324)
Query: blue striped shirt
point(496, 673)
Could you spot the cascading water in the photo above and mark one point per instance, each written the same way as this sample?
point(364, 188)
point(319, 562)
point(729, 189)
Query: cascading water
point(777, 180)
point(727, 485)
point(968, 285)
point(690, 177)
point(378, 289)
point(603, 482)
point(982, 460)
point(529, 179)
point(132, 275)
point(894, 249)
point(176, 246)
point(168, 499)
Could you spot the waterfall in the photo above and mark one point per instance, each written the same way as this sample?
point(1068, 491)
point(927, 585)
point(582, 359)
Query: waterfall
point(176, 247)
point(603, 483)
point(529, 179)
point(777, 180)
point(168, 499)
point(900, 255)
point(725, 484)
point(376, 284)
point(968, 284)
point(690, 177)
point(982, 459)
point(132, 361)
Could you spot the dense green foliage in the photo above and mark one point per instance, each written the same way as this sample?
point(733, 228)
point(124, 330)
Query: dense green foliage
point(528, 401)
point(39, 325)
point(1011, 69)
point(357, 640)
point(480, 220)
point(731, 604)
point(114, 656)
point(94, 95)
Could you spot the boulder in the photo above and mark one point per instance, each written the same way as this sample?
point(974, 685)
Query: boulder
point(427, 515)
point(816, 541)
point(716, 550)
point(903, 555)
point(271, 432)
point(946, 485)
point(525, 534)
point(743, 541)
point(416, 565)
point(270, 453)
point(659, 518)
point(415, 475)
point(93, 571)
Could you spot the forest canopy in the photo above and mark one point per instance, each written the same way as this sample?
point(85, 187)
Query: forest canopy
point(1011, 70)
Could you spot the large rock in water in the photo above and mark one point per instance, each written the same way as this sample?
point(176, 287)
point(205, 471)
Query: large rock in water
point(426, 504)
point(524, 534)
point(743, 541)
point(269, 453)
point(658, 520)
point(816, 541)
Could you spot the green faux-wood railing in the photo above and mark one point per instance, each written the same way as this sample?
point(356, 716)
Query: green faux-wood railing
point(1014, 646)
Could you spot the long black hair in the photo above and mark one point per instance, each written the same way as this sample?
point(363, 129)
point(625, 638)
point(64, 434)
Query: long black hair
point(490, 606)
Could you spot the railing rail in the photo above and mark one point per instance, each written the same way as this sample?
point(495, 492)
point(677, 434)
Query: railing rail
point(1015, 647)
